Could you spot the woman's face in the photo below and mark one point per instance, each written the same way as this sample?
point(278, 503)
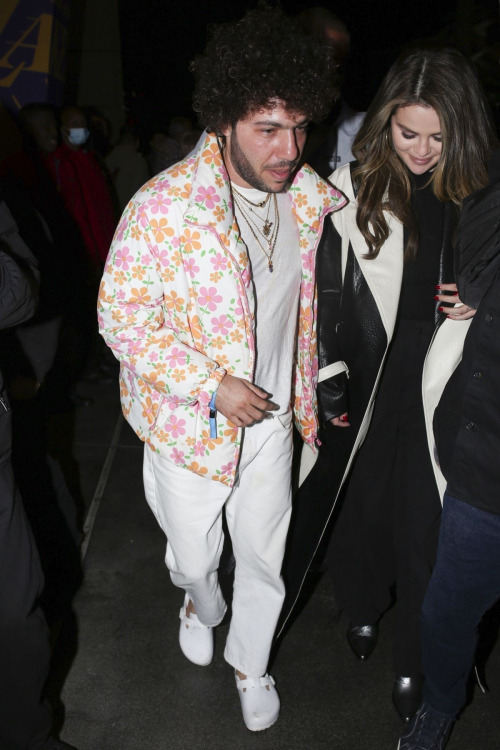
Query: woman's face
point(416, 135)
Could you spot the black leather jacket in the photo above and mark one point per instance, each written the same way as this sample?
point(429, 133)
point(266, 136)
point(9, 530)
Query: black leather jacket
point(350, 328)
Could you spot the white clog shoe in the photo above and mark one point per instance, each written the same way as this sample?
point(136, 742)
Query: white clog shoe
point(260, 702)
point(195, 639)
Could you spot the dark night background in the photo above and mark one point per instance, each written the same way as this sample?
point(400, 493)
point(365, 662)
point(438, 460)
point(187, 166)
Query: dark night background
point(160, 38)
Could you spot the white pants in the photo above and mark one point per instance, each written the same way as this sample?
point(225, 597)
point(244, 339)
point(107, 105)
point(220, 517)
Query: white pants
point(189, 510)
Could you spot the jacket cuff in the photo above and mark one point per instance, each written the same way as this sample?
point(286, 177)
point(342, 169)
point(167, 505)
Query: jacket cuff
point(333, 398)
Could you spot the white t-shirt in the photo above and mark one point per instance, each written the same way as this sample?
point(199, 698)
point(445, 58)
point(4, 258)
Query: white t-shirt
point(274, 297)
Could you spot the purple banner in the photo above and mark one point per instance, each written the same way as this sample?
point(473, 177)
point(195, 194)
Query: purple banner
point(33, 41)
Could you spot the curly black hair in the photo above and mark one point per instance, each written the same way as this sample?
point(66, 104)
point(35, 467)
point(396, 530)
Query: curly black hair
point(252, 63)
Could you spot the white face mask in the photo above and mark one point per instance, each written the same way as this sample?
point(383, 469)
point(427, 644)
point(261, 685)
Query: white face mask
point(78, 136)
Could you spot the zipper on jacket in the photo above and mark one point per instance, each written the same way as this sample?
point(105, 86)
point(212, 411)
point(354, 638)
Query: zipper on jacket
point(4, 404)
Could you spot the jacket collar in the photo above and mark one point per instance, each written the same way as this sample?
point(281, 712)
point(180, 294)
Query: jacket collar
point(311, 196)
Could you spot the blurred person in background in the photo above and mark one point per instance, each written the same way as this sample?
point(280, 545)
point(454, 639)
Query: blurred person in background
point(166, 149)
point(127, 166)
point(330, 142)
point(25, 717)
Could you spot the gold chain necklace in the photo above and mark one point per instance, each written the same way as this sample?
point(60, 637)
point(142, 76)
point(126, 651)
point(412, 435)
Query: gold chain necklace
point(267, 224)
point(271, 242)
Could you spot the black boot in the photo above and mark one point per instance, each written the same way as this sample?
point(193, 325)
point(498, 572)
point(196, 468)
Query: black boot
point(362, 639)
point(407, 696)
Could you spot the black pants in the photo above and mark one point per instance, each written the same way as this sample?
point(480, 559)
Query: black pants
point(388, 526)
point(25, 721)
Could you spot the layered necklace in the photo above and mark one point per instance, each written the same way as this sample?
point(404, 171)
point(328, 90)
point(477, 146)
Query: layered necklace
point(270, 229)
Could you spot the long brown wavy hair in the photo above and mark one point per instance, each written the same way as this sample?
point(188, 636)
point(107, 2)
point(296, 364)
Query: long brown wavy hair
point(438, 78)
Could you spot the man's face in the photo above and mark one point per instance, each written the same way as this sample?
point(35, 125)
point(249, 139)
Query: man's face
point(43, 127)
point(72, 118)
point(263, 150)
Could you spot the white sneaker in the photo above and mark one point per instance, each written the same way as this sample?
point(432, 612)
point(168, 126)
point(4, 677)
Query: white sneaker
point(260, 706)
point(195, 639)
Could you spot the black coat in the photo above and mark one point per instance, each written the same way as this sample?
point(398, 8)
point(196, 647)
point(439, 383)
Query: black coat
point(467, 419)
point(353, 328)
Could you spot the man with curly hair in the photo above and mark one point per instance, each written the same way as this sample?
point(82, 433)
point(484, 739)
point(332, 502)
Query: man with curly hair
point(208, 301)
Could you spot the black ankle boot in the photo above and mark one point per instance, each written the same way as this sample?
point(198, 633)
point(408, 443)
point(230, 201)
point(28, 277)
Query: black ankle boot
point(407, 696)
point(362, 639)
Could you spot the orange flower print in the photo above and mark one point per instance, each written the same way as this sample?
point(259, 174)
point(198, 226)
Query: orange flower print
point(223, 361)
point(215, 277)
point(218, 342)
point(120, 278)
point(219, 181)
point(209, 441)
point(303, 242)
point(138, 273)
point(225, 239)
point(322, 187)
point(212, 155)
point(192, 369)
point(174, 302)
point(219, 213)
point(310, 212)
point(232, 431)
point(135, 232)
point(187, 191)
point(139, 296)
point(196, 468)
point(190, 241)
point(179, 375)
point(301, 200)
point(190, 441)
point(178, 169)
point(174, 191)
point(177, 258)
point(150, 409)
point(168, 274)
point(195, 327)
point(161, 229)
point(236, 336)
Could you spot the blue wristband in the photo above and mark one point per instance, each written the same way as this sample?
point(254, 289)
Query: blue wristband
point(213, 416)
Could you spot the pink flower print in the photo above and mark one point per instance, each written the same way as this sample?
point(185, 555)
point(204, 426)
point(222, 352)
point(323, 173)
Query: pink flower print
point(164, 258)
point(120, 294)
point(159, 203)
point(308, 261)
point(208, 196)
point(308, 290)
point(238, 310)
point(222, 325)
point(199, 449)
point(175, 426)
point(123, 258)
point(173, 402)
point(176, 242)
point(142, 217)
point(177, 456)
point(191, 268)
point(219, 262)
point(145, 260)
point(155, 396)
point(177, 358)
point(134, 347)
point(227, 469)
point(246, 277)
point(153, 357)
point(131, 307)
point(209, 298)
point(121, 229)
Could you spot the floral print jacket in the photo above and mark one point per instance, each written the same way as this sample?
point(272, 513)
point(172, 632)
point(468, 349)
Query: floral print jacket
point(173, 307)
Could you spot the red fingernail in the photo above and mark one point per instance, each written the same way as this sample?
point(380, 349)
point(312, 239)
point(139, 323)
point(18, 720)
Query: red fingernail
point(438, 286)
point(436, 297)
point(344, 418)
point(441, 309)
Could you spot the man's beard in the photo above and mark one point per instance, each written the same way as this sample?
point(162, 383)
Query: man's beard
point(245, 169)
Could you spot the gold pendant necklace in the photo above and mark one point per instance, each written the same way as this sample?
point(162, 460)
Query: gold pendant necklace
point(271, 242)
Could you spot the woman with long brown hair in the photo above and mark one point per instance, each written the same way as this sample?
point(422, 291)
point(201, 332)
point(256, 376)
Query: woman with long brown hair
point(391, 329)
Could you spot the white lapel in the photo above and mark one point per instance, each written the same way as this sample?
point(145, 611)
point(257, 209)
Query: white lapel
point(383, 274)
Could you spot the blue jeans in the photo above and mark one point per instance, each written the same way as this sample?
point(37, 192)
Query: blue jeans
point(464, 585)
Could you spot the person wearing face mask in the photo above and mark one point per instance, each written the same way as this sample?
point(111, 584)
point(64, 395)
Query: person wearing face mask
point(94, 214)
point(391, 328)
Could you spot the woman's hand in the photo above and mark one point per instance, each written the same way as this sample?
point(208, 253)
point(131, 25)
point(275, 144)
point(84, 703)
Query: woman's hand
point(453, 313)
point(340, 421)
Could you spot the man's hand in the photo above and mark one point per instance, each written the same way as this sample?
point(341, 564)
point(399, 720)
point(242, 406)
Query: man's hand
point(242, 402)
